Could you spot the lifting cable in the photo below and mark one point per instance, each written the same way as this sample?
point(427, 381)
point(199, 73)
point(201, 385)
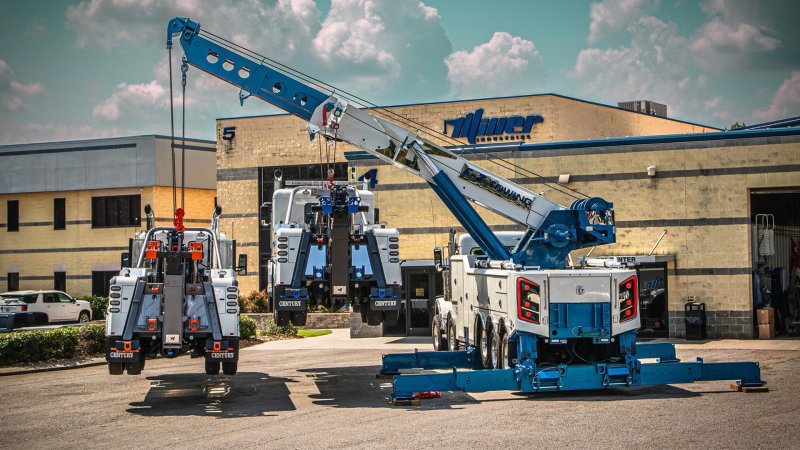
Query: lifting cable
point(172, 127)
point(501, 162)
point(184, 69)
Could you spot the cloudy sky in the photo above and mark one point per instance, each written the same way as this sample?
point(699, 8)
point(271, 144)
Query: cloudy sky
point(98, 68)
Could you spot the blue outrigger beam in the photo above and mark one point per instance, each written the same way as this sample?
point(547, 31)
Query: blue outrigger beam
point(527, 377)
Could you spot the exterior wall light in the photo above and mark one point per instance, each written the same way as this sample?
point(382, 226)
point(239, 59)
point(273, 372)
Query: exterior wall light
point(563, 178)
point(652, 170)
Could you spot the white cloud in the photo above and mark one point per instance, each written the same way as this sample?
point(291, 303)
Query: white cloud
point(131, 97)
point(11, 89)
point(785, 101)
point(741, 34)
point(364, 46)
point(608, 16)
point(505, 65)
point(34, 30)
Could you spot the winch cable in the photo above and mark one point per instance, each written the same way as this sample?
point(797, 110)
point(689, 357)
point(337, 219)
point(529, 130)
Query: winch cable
point(184, 69)
point(172, 127)
point(506, 164)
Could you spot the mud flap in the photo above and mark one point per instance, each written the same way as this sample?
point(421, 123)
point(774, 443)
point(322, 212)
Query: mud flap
point(222, 351)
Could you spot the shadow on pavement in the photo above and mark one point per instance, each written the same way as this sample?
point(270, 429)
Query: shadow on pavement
point(357, 387)
point(246, 394)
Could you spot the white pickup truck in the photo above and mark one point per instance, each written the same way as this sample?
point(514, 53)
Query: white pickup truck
point(21, 308)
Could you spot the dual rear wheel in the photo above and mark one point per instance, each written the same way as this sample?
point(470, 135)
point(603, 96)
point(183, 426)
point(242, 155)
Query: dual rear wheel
point(496, 353)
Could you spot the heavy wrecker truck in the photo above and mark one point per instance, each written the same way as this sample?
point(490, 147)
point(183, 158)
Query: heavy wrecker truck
point(180, 296)
point(327, 249)
point(561, 327)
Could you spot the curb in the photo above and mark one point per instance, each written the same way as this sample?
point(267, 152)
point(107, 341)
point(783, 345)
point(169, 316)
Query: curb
point(52, 369)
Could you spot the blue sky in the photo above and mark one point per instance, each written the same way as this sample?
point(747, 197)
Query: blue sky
point(97, 68)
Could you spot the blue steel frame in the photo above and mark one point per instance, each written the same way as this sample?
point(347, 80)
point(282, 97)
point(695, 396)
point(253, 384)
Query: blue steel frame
point(528, 377)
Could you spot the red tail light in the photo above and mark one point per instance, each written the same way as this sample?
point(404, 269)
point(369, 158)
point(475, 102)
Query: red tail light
point(528, 300)
point(24, 307)
point(628, 299)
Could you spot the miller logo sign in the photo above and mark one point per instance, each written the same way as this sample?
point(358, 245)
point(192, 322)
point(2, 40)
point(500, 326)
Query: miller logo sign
point(474, 126)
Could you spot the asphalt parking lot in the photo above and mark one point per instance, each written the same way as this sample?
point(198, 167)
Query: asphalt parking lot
point(319, 393)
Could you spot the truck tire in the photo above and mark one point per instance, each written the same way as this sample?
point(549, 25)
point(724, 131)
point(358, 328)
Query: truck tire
point(212, 367)
point(439, 342)
point(374, 317)
point(452, 340)
point(282, 319)
point(496, 350)
point(485, 347)
point(390, 318)
point(299, 318)
point(230, 367)
point(116, 368)
point(84, 317)
point(134, 368)
point(509, 353)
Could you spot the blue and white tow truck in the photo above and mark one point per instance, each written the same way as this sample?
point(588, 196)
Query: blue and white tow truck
point(526, 320)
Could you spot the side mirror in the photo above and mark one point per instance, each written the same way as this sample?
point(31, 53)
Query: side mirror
point(241, 267)
point(437, 257)
point(125, 260)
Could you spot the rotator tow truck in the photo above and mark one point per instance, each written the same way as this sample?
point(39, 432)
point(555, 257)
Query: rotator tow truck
point(180, 296)
point(557, 327)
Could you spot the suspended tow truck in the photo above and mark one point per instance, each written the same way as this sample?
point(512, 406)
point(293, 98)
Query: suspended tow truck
point(527, 321)
point(180, 296)
point(327, 249)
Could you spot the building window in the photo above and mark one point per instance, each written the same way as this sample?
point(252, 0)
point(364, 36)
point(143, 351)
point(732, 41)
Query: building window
point(60, 281)
point(116, 211)
point(13, 215)
point(13, 281)
point(59, 214)
point(101, 281)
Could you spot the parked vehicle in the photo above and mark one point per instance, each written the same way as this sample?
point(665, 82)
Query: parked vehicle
point(25, 308)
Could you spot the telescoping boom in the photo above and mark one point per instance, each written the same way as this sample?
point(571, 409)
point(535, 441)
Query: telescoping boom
point(517, 308)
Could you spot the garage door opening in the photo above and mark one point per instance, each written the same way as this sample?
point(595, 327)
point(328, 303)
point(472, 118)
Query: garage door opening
point(775, 221)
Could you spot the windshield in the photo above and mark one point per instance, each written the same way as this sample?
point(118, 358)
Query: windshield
point(15, 297)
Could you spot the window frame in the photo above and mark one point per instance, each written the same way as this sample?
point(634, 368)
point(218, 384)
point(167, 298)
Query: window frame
point(107, 212)
point(12, 225)
point(59, 213)
point(62, 286)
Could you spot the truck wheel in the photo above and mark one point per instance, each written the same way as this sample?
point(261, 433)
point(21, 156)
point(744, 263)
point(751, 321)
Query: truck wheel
point(374, 317)
point(509, 353)
point(452, 341)
point(485, 345)
point(83, 317)
point(299, 318)
point(282, 319)
point(497, 350)
point(212, 367)
point(116, 368)
point(390, 318)
point(439, 342)
point(229, 367)
point(134, 368)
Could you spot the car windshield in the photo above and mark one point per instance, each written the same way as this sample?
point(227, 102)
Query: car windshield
point(18, 298)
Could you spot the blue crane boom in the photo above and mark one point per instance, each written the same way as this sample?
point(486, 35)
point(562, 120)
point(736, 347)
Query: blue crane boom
point(553, 230)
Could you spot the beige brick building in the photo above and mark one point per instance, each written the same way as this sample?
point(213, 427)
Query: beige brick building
point(67, 209)
point(706, 187)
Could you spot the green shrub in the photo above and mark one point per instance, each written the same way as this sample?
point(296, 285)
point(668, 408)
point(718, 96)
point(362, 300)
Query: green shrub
point(254, 302)
point(274, 330)
point(39, 345)
point(92, 338)
point(247, 327)
point(99, 305)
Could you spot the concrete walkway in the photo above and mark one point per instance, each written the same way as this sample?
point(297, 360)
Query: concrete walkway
point(340, 339)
